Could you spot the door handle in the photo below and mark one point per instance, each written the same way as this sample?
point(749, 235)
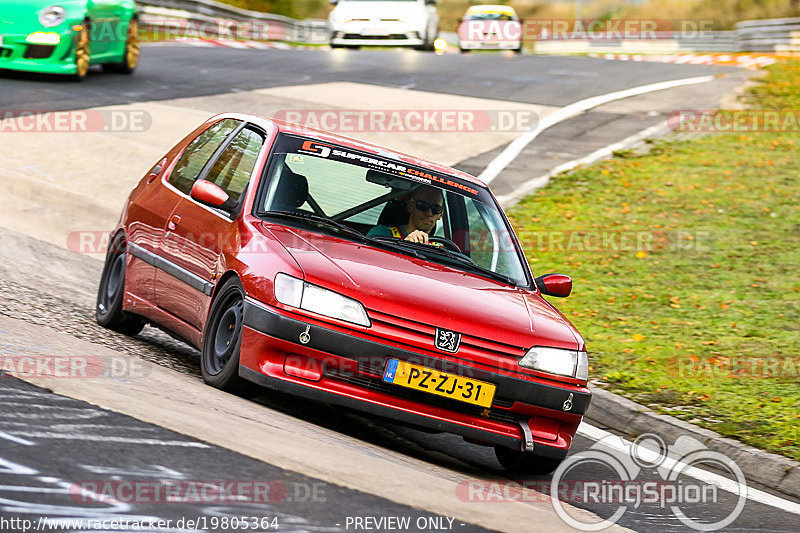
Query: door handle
point(173, 222)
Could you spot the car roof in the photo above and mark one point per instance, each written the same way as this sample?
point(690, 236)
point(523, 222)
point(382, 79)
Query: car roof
point(491, 9)
point(326, 136)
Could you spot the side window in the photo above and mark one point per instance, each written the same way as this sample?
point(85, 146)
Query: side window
point(232, 170)
point(198, 153)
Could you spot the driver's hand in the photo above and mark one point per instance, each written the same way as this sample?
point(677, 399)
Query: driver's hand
point(418, 236)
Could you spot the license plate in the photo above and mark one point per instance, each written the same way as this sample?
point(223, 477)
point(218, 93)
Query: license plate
point(439, 383)
point(374, 32)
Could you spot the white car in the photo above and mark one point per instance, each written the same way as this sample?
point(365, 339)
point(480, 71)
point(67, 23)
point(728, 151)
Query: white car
point(357, 23)
point(490, 27)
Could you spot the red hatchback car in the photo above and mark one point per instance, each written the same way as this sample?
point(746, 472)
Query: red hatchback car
point(295, 259)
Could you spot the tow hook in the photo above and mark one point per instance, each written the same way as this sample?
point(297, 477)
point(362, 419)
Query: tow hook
point(527, 436)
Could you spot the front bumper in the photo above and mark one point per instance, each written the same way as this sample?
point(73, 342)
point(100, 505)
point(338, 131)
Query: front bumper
point(346, 370)
point(490, 45)
point(390, 34)
point(17, 54)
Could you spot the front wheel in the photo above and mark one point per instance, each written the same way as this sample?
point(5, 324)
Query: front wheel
point(222, 341)
point(108, 311)
point(520, 462)
point(82, 56)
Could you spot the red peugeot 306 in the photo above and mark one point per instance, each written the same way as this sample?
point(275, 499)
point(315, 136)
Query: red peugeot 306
point(344, 272)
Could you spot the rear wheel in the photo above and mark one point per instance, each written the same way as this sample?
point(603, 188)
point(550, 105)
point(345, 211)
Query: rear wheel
point(130, 58)
point(521, 462)
point(222, 341)
point(108, 312)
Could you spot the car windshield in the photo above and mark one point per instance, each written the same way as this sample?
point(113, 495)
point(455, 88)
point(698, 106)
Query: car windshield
point(489, 16)
point(368, 197)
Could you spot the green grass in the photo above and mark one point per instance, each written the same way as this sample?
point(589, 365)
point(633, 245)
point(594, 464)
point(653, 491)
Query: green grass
point(697, 312)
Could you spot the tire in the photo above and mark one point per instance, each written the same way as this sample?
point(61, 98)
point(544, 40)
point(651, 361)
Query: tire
point(108, 311)
point(130, 58)
point(520, 462)
point(82, 55)
point(222, 341)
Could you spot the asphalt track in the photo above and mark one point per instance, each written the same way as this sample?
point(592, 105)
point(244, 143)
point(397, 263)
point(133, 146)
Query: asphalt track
point(62, 296)
point(173, 71)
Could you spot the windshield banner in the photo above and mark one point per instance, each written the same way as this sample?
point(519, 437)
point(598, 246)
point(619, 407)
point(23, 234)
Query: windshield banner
point(291, 144)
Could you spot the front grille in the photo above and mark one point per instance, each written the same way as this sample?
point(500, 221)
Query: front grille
point(497, 412)
point(39, 51)
point(394, 36)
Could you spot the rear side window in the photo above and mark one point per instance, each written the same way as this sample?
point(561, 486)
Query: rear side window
point(233, 168)
point(198, 153)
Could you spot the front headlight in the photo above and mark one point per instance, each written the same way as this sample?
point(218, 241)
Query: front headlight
point(297, 293)
point(40, 37)
point(52, 16)
point(570, 363)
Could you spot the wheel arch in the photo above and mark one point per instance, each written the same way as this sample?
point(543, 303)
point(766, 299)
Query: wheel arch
point(222, 279)
point(115, 233)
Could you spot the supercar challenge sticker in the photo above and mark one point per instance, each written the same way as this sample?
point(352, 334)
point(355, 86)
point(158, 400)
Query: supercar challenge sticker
point(394, 168)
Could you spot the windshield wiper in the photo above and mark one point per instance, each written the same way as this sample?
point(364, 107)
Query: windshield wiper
point(311, 217)
point(395, 244)
point(460, 258)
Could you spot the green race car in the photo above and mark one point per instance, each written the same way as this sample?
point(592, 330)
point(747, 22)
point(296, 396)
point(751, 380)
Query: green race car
point(66, 37)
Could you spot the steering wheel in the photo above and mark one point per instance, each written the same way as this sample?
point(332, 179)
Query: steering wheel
point(447, 243)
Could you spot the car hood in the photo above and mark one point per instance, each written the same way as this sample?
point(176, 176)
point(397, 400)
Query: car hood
point(425, 292)
point(23, 15)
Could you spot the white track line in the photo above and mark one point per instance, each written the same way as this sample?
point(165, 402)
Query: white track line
point(511, 151)
point(18, 440)
point(722, 482)
point(536, 183)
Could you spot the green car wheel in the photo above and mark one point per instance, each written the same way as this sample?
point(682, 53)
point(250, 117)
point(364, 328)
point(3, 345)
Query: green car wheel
point(82, 53)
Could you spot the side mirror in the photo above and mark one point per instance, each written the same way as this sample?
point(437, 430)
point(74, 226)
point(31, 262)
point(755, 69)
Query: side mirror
point(210, 194)
point(334, 2)
point(430, 2)
point(559, 285)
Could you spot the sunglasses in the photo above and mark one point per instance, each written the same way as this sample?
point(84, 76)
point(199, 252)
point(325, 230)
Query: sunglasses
point(435, 209)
